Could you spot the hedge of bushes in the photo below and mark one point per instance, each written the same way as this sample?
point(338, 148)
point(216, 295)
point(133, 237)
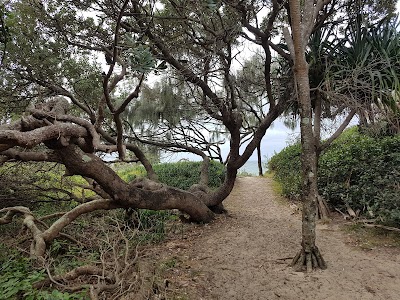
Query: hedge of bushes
point(357, 169)
point(181, 175)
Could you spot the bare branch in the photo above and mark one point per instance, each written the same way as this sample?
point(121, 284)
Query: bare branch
point(21, 155)
point(34, 137)
point(338, 131)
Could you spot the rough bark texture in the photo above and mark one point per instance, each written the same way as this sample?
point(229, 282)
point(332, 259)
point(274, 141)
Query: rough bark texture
point(309, 256)
point(322, 207)
point(149, 195)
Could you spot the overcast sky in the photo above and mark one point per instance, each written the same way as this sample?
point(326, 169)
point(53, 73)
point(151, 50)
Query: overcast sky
point(276, 138)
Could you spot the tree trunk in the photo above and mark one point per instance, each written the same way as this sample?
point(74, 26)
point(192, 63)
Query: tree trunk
point(260, 169)
point(309, 256)
point(144, 194)
point(322, 207)
point(216, 198)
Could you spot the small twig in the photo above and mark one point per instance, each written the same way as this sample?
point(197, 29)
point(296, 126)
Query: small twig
point(71, 238)
point(280, 259)
point(285, 258)
point(367, 223)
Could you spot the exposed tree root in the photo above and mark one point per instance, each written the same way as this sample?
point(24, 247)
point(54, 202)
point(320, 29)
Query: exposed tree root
point(307, 261)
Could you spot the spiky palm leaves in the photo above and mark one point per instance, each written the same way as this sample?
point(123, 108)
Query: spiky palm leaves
point(365, 69)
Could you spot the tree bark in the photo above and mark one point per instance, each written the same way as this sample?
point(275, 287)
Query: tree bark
point(322, 207)
point(309, 256)
point(259, 161)
point(148, 194)
point(219, 195)
point(71, 140)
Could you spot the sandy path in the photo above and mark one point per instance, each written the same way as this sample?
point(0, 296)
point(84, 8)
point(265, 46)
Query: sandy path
point(245, 256)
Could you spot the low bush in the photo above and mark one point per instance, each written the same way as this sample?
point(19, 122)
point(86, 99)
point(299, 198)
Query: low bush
point(357, 170)
point(181, 175)
point(130, 172)
point(287, 170)
point(184, 174)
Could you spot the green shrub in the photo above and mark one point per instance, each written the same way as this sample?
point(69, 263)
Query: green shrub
point(359, 170)
point(181, 175)
point(287, 170)
point(363, 172)
point(152, 224)
point(129, 173)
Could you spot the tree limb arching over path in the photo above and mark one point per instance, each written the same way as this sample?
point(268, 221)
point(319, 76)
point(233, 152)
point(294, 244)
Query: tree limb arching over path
point(246, 256)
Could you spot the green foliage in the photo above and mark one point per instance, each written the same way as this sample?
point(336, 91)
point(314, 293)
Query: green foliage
point(4, 30)
point(359, 170)
point(181, 175)
point(141, 59)
point(36, 51)
point(286, 166)
point(213, 5)
point(17, 275)
point(364, 172)
point(244, 173)
point(184, 174)
point(130, 173)
point(152, 224)
point(367, 59)
point(29, 183)
point(14, 279)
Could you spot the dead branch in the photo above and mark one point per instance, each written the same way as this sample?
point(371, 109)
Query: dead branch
point(15, 154)
point(86, 270)
point(379, 226)
point(117, 260)
point(51, 233)
point(43, 238)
